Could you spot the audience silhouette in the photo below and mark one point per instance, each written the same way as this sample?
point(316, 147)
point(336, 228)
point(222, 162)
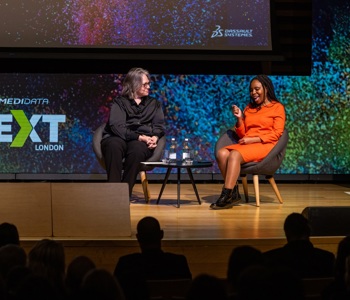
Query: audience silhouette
point(11, 256)
point(207, 287)
point(36, 287)
point(8, 234)
point(241, 258)
point(14, 279)
point(343, 252)
point(340, 288)
point(273, 283)
point(152, 263)
point(102, 285)
point(276, 274)
point(299, 254)
point(347, 278)
point(76, 271)
point(47, 259)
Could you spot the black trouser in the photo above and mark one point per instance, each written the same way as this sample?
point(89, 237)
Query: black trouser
point(123, 159)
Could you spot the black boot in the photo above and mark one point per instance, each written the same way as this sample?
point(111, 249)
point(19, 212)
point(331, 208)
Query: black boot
point(227, 199)
point(223, 200)
point(236, 197)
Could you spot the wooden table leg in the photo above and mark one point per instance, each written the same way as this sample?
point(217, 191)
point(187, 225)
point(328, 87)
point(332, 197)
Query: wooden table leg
point(164, 183)
point(178, 186)
point(189, 171)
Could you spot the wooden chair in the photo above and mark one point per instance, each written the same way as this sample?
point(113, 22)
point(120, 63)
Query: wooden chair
point(268, 166)
point(157, 155)
point(168, 289)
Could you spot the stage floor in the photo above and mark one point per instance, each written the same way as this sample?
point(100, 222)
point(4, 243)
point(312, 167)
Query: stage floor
point(246, 221)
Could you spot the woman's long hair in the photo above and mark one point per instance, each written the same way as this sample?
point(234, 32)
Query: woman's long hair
point(267, 85)
point(133, 82)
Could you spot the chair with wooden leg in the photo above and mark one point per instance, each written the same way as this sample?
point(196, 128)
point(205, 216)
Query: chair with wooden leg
point(268, 166)
point(156, 156)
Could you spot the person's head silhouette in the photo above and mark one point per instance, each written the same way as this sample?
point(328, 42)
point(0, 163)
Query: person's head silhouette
point(8, 234)
point(149, 234)
point(296, 227)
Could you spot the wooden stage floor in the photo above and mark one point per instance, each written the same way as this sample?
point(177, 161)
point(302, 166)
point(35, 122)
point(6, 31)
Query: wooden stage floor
point(246, 221)
point(207, 237)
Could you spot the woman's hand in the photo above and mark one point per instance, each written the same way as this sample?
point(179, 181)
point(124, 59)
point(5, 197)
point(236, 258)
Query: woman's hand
point(150, 141)
point(237, 112)
point(249, 140)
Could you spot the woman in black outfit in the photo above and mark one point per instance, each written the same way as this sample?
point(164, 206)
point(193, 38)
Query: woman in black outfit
point(135, 125)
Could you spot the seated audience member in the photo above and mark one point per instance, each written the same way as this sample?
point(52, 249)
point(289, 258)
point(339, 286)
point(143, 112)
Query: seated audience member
point(47, 259)
point(8, 234)
point(339, 288)
point(152, 263)
point(207, 287)
point(14, 279)
point(75, 273)
point(102, 285)
point(347, 278)
point(299, 254)
point(272, 283)
point(11, 256)
point(35, 287)
point(241, 257)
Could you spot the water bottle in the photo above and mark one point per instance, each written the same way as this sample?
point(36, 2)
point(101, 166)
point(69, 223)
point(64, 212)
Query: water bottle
point(185, 150)
point(172, 150)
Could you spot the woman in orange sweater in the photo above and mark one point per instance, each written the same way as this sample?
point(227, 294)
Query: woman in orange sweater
point(259, 128)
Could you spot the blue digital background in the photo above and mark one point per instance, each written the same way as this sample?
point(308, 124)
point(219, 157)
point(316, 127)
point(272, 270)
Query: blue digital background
point(198, 107)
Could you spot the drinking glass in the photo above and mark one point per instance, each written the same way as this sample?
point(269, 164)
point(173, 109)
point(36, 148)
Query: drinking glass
point(165, 157)
point(189, 158)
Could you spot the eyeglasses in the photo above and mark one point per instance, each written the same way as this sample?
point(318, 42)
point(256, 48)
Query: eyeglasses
point(146, 84)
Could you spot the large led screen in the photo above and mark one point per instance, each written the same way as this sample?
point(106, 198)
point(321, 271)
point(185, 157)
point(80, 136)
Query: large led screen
point(151, 24)
point(47, 121)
